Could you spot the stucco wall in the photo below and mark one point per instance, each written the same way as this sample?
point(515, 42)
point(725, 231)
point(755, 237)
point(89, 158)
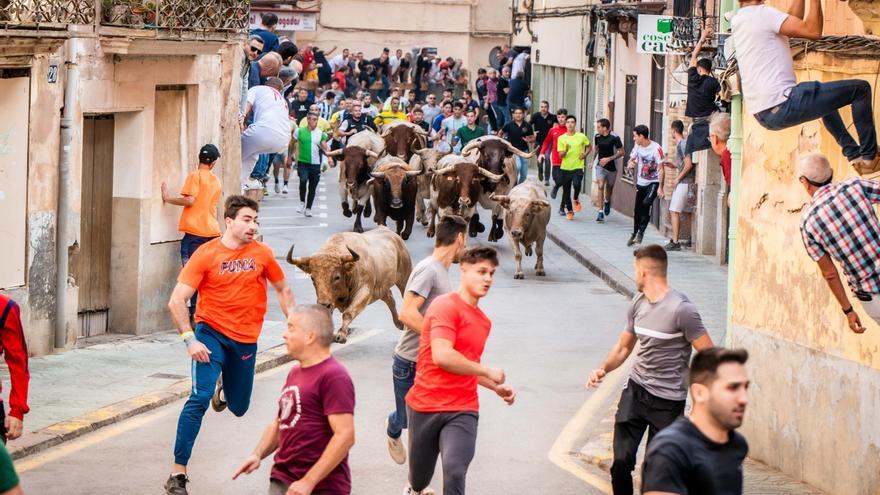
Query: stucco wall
point(561, 41)
point(814, 407)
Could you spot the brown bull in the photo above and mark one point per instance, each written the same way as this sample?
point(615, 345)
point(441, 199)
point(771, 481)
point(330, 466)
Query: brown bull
point(394, 193)
point(403, 138)
point(425, 160)
point(357, 160)
point(351, 271)
point(455, 190)
point(528, 213)
point(497, 156)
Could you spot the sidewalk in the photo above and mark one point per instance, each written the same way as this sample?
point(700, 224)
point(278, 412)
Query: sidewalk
point(602, 249)
point(110, 378)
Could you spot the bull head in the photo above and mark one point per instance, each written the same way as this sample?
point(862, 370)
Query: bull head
point(301, 262)
point(352, 257)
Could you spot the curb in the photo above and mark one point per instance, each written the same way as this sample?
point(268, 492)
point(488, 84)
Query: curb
point(609, 273)
point(33, 442)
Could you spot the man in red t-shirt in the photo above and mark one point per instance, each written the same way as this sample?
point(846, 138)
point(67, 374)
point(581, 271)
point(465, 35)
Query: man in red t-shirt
point(314, 429)
point(14, 349)
point(549, 155)
point(443, 402)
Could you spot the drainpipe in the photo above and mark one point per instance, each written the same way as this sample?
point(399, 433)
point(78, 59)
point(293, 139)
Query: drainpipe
point(734, 144)
point(63, 214)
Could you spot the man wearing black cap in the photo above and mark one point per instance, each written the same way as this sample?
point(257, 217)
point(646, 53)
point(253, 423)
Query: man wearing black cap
point(198, 197)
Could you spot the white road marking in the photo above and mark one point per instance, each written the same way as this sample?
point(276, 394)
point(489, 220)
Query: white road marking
point(322, 207)
point(322, 198)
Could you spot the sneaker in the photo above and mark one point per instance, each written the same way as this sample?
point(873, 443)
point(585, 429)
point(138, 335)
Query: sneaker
point(561, 213)
point(867, 166)
point(395, 447)
point(553, 192)
point(639, 237)
point(301, 208)
point(409, 491)
point(277, 188)
point(218, 400)
point(672, 246)
point(176, 484)
point(308, 212)
point(577, 205)
point(546, 182)
point(569, 215)
point(284, 189)
point(265, 191)
point(600, 218)
point(253, 184)
point(631, 241)
point(607, 208)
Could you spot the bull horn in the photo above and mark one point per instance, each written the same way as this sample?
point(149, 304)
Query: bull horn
point(444, 170)
point(302, 262)
point(489, 175)
point(520, 153)
point(470, 146)
point(418, 130)
point(540, 202)
point(353, 257)
point(372, 154)
point(413, 173)
point(378, 175)
point(335, 152)
point(498, 198)
point(385, 131)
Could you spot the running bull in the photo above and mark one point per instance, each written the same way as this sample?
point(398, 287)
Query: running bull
point(425, 160)
point(528, 213)
point(394, 193)
point(497, 156)
point(351, 271)
point(403, 138)
point(455, 189)
point(358, 157)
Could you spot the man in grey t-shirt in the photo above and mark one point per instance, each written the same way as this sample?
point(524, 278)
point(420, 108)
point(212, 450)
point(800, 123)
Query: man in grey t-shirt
point(684, 193)
point(429, 279)
point(667, 325)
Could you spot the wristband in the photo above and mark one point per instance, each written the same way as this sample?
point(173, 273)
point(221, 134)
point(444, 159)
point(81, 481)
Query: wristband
point(187, 335)
point(848, 310)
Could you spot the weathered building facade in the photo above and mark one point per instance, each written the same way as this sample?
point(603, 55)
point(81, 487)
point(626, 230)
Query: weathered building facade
point(101, 103)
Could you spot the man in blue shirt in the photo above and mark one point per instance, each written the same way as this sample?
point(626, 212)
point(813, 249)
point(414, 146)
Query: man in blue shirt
point(267, 32)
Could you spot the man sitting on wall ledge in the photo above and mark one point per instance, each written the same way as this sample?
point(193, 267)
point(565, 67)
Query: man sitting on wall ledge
point(773, 95)
point(840, 223)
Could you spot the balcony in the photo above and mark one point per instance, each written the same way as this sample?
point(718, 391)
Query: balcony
point(45, 14)
point(177, 16)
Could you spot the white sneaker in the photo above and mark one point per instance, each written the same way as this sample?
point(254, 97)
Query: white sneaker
point(278, 188)
point(253, 184)
point(301, 208)
point(308, 212)
point(395, 447)
point(284, 189)
point(409, 491)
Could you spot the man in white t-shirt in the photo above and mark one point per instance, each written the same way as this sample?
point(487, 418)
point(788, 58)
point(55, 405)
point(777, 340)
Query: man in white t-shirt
point(773, 95)
point(450, 125)
point(646, 158)
point(270, 130)
point(394, 65)
point(339, 60)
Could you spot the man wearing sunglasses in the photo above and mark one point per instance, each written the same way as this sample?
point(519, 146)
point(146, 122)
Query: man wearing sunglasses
point(253, 48)
point(841, 224)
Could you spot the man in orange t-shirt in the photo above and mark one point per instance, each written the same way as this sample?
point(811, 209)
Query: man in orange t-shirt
point(199, 197)
point(443, 401)
point(230, 274)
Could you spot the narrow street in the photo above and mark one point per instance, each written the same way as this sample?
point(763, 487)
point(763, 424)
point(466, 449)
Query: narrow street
point(547, 333)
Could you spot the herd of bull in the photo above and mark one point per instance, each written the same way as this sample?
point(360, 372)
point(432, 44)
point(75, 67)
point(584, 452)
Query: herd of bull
point(396, 174)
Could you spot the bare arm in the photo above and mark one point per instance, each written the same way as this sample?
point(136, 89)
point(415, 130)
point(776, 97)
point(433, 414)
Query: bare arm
point(268, 443)
point(409, 313)
point(702, 342)
point(621, 350)
point(829, 273)
point(340, 443)
point(685, 170)
point(452, 361)
point(798, 26)
point(695, 55)
point(180, 201)
point(180, 314)
point(285, 296)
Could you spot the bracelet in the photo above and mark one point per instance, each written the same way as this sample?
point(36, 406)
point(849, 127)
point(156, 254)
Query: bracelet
point(848, 310)
point(187, 335)
point(189, 342)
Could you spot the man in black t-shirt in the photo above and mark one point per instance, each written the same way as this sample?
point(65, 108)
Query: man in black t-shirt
point(702, 89)
point(704, 454)
point(423, 65)
point(542, 121)
point(608, 148)
point(519, 133)
point(299, 106)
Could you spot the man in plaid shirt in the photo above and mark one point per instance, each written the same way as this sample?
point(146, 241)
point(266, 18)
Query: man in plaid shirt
point(841, 223)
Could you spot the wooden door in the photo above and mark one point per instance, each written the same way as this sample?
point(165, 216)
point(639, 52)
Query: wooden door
point(90, 267)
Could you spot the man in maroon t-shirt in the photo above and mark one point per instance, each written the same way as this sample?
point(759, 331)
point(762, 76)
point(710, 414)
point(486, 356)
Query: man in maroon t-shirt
point(314, 429)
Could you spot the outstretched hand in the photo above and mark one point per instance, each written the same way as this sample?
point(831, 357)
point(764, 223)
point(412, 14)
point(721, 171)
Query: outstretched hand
point(251, 464)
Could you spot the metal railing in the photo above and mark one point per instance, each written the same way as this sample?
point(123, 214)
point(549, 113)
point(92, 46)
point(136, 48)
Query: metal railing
point(177, 15)
point(689, 16)
point(48, 14)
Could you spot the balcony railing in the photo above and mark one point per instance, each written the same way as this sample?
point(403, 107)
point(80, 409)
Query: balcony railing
point(690, 16)
point(178, 15)
point(46, 14)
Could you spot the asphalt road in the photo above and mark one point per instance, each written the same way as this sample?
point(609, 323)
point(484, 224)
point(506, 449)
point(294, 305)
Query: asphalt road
point(547, 334)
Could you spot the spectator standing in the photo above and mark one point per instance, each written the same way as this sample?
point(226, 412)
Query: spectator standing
point(14, 347)
point(299, 106)
point(450, 125)
point(520, 134)
point(469, 132)
point(253, 48)
point(518, 89)
point(430, 108)
point(646, 158)
point(404, 72)
point(719, 133)
point(684, 195)
point(423, 65)
point(266, 31)
point(501, 106)
point(542, 121)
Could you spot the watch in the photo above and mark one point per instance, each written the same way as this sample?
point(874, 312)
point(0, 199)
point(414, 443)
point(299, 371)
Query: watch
point(848, 310)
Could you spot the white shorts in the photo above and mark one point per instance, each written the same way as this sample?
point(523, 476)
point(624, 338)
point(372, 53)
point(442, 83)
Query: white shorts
point(256, 141)
point(682, 199)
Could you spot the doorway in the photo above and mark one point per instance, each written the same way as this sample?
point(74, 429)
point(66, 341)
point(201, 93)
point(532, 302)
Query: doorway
point(90, 266)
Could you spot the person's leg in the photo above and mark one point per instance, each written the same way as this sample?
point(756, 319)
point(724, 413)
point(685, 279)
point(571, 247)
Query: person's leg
point(403, 372)
point(610, 177)
point(547, 165)
point(522, 169)
point(204, 378)
point(600, 186)
point(302, 170)
point(238, 374)
point(424, 447)
point(458, 441)
point(629, 427)
point(661, 413)
point(647, 204)
point(260, 167)
point(577, 181)
point(277, 487)
point(566, 191)
point(188, 246)
point(557, 181)
point(314, 177)
point(639, 208)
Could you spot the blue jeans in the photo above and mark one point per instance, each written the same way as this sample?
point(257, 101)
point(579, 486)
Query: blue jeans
point(188, 246)
point(386, 86)
point(404, 372)
point(235, 360)
point(522, 167)
point(261, 169)
point(502, 115)
point(812, 100)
